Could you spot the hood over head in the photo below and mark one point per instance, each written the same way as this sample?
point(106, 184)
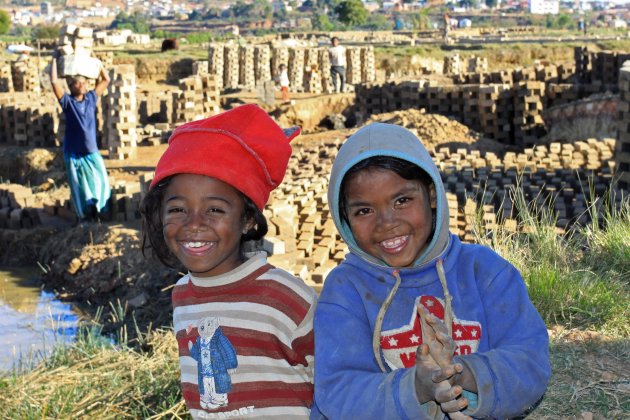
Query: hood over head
point(380, 139)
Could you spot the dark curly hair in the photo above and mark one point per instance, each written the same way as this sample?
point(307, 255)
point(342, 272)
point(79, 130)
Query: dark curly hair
point(401, 167)
point(153, 237)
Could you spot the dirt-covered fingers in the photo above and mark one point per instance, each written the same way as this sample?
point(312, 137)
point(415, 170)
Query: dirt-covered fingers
point(446, 373)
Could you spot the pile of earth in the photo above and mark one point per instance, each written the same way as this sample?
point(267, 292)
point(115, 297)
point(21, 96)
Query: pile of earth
point(31, 166)
point(102, 266)
point(437, 131)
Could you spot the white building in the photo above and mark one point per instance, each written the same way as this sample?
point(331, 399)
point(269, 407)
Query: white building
point(544, 7)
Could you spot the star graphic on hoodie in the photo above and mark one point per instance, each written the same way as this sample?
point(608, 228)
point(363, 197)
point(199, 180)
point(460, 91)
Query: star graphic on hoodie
point(400, 344)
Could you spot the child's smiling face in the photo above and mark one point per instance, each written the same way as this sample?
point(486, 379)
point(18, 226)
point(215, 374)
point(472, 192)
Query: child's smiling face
point(390, 216)
point(203, 224)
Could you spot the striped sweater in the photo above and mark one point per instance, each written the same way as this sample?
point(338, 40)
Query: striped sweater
point(263, 316)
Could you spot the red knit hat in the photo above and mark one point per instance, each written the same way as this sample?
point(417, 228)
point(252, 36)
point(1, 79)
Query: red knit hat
point(243, 147)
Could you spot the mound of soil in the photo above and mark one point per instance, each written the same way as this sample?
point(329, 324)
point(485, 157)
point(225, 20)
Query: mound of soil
point(437, 131)
point(31, 166)
point(102, 266)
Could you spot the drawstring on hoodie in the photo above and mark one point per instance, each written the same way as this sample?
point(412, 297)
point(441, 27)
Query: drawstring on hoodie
point(376, 337)
point(448, 311)
point(448, 299)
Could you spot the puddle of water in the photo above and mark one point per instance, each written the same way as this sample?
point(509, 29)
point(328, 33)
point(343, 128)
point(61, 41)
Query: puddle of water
point(32, 321)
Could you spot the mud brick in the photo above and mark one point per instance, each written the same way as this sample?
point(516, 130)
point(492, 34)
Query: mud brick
point(273, 246)
point(321, 272)
point(306, 246)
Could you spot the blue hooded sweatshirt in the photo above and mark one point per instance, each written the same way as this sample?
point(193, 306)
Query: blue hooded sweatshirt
point(365, 368)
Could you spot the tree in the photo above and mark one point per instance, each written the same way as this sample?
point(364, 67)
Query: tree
point(379, 22)
point(5, 22)
point(491, 3)
point(45, 32)
point(136, 22)
point(352, 12)
point(322, 23)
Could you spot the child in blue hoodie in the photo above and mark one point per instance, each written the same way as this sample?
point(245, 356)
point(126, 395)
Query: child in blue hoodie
point(378, 312)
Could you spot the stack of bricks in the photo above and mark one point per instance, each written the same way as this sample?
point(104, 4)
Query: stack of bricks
point(6, 78)
point(409, 94)
point(547, 73)
point(323, 60)
point(452, 64)
point(247, 66)
point(120, 113)
point(246, 78)
point(368, 64)
point(75, 40)
point(279, 55)
point(477, 65)
point(561, 93)
point(125, 201)
point(566, 73)
point(200, 68)
point(231, 67)
point(154, 107)
point(43, 123)
point(583, 64)
point(296, 69)
point(16, 207)
point(302, 238)
point(605, 67)
point(528, 107)
point(502, 77)
point(525, 74)
point(353, 66)
point(106, 57)
point(210, 95)
point(25, 76)
point(495, 112)
point(312, 74)
point(215, 63)
point(197, 98)
point(622, 150)
point(262, 63)
point(27, 119)
point(187, 102)
point(471, 106)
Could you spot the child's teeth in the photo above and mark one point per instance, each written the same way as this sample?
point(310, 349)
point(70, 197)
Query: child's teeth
point(393, 243)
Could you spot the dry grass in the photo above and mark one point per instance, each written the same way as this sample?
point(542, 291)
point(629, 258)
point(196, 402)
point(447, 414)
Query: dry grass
point(99, 381)
point(589, 375)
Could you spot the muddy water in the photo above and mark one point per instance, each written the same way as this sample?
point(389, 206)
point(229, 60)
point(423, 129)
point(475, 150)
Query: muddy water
point(32, 321)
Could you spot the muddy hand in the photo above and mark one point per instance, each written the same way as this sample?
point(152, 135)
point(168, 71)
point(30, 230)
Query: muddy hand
point(441, 348)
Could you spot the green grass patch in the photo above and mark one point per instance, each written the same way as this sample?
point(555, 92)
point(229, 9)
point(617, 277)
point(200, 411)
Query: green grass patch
point(578, 279)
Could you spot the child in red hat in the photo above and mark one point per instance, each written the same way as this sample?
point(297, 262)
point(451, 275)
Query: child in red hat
point(244, 328)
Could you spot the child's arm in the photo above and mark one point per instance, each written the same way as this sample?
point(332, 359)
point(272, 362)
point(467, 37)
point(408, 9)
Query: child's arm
point(513, 374)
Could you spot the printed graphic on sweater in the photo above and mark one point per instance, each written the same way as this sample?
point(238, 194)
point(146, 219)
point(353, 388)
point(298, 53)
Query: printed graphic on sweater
point(399, 345)
point(214, 355)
